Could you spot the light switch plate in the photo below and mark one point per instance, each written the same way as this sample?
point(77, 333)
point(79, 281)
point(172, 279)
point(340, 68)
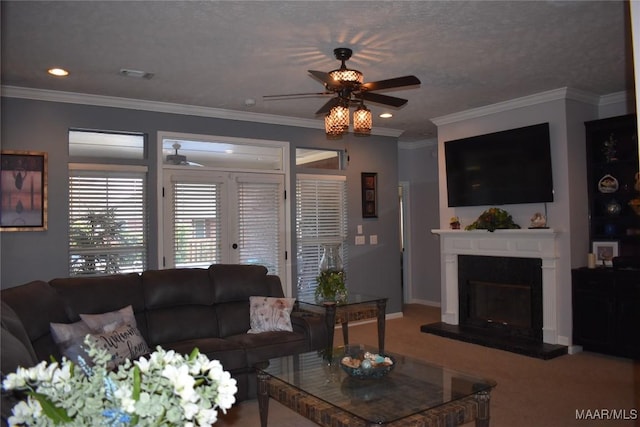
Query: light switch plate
point(373, 239)
point(359, 240)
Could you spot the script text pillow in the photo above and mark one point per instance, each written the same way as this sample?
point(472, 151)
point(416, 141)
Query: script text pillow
point(270, 314)
point(126, 342)
point(108, 322)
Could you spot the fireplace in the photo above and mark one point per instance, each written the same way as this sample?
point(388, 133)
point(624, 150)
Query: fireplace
point(501, 294)
point(479, 313)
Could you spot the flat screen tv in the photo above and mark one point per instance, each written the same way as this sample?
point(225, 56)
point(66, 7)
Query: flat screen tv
point(501, 168)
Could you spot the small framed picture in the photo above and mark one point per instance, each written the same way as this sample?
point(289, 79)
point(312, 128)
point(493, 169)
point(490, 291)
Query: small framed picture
point(369, 195)
point(605, 252)
point(23, 191)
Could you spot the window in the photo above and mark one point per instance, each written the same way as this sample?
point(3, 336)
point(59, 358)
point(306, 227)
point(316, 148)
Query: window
point(107, 222)
point(197, 231)
point(321, 218)
point(107, 203)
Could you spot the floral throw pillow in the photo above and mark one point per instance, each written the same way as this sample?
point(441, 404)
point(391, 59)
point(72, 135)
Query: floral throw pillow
point(126, 342)
point(270, 314)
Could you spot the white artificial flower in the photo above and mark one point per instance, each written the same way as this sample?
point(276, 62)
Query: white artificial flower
point(207, 417)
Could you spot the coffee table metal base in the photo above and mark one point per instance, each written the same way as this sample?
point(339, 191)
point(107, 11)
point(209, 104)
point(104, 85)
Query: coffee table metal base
point(462, 411)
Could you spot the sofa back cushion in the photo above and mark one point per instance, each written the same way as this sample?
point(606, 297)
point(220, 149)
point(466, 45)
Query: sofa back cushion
point(233, 285)
point(37, 304)
point(102, 294)
point(179, 304)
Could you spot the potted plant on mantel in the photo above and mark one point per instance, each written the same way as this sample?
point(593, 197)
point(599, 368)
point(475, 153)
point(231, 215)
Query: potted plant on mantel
point(493, 219)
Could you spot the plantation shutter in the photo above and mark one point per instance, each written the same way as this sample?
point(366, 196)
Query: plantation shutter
point(196, 224)
point(260, 230)
point(107, 221)
point(321, 218)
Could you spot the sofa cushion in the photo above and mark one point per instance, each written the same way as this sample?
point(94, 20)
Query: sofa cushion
point(233, 318)
point(102, 294)
point(270, 314)
point(237, 282)
point(179, 323)
point(231, 354)
point(173, 287)
point(37, 304)
point(265, 346)
point(10, 322)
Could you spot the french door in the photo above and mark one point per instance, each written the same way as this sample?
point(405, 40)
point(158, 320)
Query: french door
point(223, 217)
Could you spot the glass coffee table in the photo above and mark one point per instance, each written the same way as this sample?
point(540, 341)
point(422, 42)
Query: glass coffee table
point(413, 393)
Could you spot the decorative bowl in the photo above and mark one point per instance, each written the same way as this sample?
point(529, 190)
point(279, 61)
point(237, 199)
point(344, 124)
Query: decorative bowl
point(365, 365)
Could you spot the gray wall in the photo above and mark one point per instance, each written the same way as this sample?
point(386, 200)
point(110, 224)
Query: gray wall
point(419, 167)
point(43, 126)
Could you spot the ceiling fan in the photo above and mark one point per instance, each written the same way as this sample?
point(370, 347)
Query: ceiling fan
point(349, 89)
point(179, 159)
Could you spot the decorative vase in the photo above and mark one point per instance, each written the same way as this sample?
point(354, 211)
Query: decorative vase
point(330, 260)
point(331, 284)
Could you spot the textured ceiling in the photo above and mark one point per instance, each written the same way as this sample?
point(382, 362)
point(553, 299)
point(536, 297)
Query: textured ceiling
point(219, 53)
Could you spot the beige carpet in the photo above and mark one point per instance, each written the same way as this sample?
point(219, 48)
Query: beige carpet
point(530, 392)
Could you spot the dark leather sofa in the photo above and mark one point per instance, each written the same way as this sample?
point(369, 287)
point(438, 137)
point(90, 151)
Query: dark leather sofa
point(177, 309)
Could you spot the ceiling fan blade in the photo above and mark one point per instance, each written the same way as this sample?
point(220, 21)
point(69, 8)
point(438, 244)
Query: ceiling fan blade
point(297, 94)
point(325, 78)
point(328, 106)
point(392, 83)
point(382, 99)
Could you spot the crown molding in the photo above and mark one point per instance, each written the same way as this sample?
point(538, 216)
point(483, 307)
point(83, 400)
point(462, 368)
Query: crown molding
point(525, 101)
point(614, 98)
point(166, 107)
point(413, 145)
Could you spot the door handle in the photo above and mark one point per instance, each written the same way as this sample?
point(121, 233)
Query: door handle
point(234, 246)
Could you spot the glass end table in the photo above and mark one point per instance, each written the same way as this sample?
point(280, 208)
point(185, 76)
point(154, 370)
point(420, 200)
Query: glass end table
point(355, 307)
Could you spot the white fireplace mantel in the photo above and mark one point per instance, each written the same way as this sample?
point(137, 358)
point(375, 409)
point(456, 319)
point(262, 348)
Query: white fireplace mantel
point(522, 243)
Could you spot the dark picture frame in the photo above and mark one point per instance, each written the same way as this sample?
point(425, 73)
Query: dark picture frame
point(369, 195)
point(23, 190)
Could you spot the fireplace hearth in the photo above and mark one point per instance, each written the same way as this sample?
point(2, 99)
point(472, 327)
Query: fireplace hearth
point(528, 323)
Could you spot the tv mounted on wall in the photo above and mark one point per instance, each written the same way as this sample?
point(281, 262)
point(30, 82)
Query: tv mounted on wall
point(501, 168)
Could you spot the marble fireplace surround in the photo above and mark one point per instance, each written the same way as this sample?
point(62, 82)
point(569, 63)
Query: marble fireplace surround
point(522, 243)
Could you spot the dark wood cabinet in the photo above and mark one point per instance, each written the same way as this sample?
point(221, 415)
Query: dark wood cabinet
point(612, 168)
point(606, 311)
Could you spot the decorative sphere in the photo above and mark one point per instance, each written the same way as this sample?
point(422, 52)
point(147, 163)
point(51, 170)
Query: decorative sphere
point(366, 364)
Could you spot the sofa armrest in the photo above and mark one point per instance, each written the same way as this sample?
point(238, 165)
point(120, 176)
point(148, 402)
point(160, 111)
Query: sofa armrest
point(313, 326)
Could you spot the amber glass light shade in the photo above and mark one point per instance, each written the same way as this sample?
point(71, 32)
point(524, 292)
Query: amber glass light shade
point(347, 75)
point(362, 121)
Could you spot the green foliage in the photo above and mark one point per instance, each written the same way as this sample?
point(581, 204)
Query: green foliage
point(493, 219)
point(331, 286)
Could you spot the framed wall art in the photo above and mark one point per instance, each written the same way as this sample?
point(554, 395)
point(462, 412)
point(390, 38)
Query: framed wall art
point(605, 252)
point(23, 191)
point(369, 195)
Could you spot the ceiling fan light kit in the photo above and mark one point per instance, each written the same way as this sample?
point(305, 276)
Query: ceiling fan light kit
point(350, 90)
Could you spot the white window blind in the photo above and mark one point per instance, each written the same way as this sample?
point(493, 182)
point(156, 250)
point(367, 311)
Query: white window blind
point(107, 222)
point(259, 227)
point(321, 218)
point(197, 224)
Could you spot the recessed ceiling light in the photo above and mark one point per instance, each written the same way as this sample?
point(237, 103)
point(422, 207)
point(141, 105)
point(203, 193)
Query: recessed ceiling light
point(386, 115)
point(58, 72)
